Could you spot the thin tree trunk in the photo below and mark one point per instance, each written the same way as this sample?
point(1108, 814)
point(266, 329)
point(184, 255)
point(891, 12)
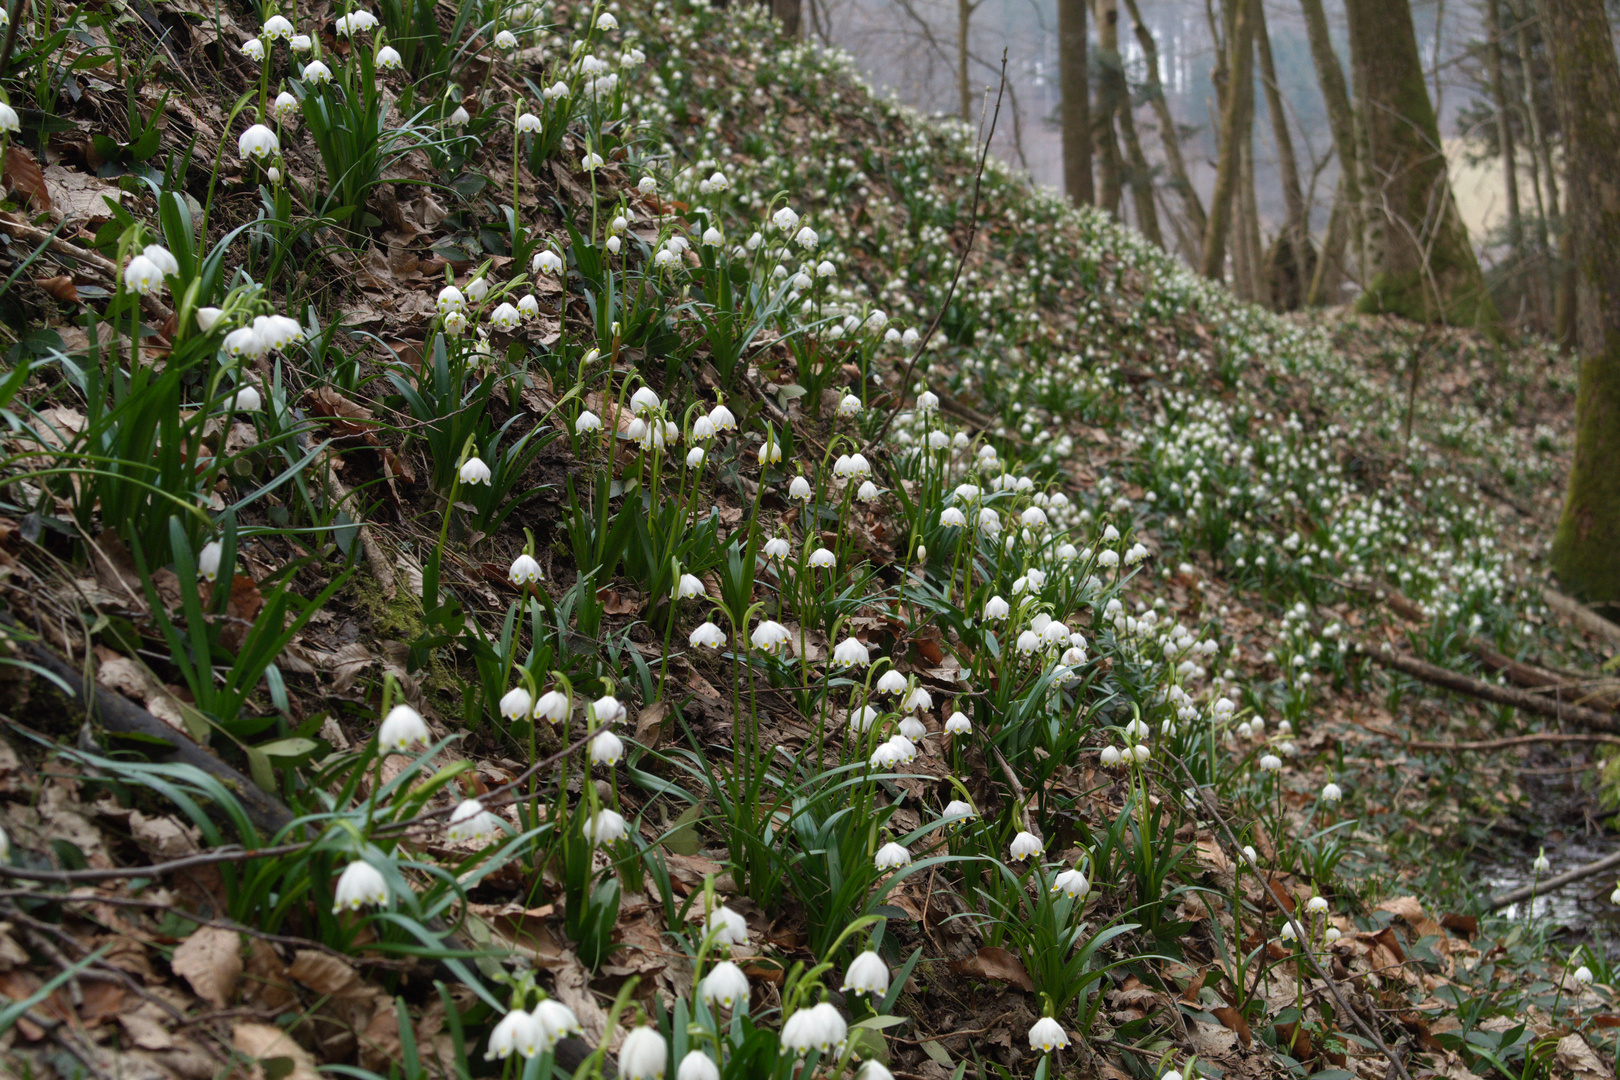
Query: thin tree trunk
point(1254, 250)
point(791, 14)
point(1075, 88)
point(1291, 269)
point(1341, 121)
point(1141, 174)
point(1169, 136)
point(1421, 263)
point(1586, 75)
point(1543, 155)
point(964, 19)
point(1233, 130)
point(1110, 81)
point(1565, 300)
point(1329, 273)
point(1504, 127)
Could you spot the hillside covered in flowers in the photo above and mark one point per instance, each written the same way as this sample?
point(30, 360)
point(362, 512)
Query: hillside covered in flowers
point(546, 539)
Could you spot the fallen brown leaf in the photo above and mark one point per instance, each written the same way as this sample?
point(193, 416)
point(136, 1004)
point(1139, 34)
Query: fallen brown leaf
point(995, 964)
point(211, 961)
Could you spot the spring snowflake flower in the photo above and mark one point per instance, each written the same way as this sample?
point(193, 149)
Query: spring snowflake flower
point(470, 821)
point(1029, 642)
point(953, 517)
point(820, 1027)
point(1111, 757)
point(770, 452)
point(516, 1033)
point(1071, 883)
point(851, 653)
point(208, 560)
point(643, 1054)
point(505, 40)
point(1583, 975)
point(277, 28)
point(917, 701)
point(356, 22)
point(996, 609)
point(1316, 905)
point(451, 300)
point(1271, 763)
point(989, 522)
point(725, 984)
point(707, 636)
point(253, 49)
point(1541, 864)
point(524, 571)
point(587, 422)
point(785, 219)
point(905, 750)
point(1331, 934)
point(1135, 554)
point(770, 636)
point(608, 710)
point(247, 399)
point(258, 142)
point(516, 704)
point(868, 492)
point(592, 160)
point(959, 724)
point(606, 749)
point(891, 682)
point(849, 405)
point(867, 974)
point(956, 812)
point(474, 471)
point(1108, 558)
point(401, 729)
point(141, 276)
point(1331, 793)
point(644, 401)
point(891, 856)
point(861, 720)
point(823, 559)
point(388, 58)
point(606, 826)
point(712, 237)
point(528, 307)
point(912, 728)
point(477, 289)
point(553, 706)
point(776, 548)
point(284, 109)
point(529, 124)
point(722, 419)
point(505, 317)
point(548, 262)
point(1287, 933)
point(647, 185)
point(1046, 1035)
point(694, 457)
point(300, 43)
point(697, 1065)
point(727, 926)
point(455, 323)
point(359, 884)
point(703, 429)
point(556, 1020)
point(800, 489)
point(688, 587)
point(317, 73)
point(1026, 844)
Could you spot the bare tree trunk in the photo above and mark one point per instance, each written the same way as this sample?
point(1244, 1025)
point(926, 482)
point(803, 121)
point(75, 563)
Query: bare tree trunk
point(1075, 88)
point(1547, 179)
point(1504, 127)
point(1140, 176)
point(1329, 275)
point(1290, 269)
point(964, 19)
point(1341, 121)
point(791, 14)
point(1249, 233)
point(1168, 133)
point(1565, 299)
point(1586, 548)
point(1421, 264)
point(1110, 83)
point(1239, 100)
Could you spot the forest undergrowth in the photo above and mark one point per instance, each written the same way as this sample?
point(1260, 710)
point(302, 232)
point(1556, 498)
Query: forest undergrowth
point(599, 546)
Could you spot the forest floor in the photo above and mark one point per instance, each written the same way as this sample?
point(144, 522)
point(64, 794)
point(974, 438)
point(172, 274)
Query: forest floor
point(1249, 548)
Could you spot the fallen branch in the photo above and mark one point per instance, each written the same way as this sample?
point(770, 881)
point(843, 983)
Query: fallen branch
point(1579, 715)
point(154, 307)
point(1600, 692)
point(1581, 615)
point(1557, 881)
point(1512, 741)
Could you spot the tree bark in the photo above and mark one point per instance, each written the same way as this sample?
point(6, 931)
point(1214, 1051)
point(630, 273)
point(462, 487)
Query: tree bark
point(1329, 273)
point(1504, 126)
point(1293, 261)
point(964, 19)
point(1421, 264)
point(1239, 98)
point(1169, 135)
point(1141, 173)
point(792, 15)
point(1249, 219)
point(1341, 122)
point(1110, 82)
point(1075, 89)
point(1586, 78)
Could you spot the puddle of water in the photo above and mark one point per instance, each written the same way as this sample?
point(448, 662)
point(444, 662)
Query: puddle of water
point(1582, 906)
